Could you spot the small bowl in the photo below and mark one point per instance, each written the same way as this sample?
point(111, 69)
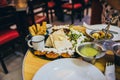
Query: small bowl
point(94, 50)
point(100, 35)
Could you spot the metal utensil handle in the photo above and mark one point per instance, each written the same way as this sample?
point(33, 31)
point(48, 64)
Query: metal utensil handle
point(107, 30)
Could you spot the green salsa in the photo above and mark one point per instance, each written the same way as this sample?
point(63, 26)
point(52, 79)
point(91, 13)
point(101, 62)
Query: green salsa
point(88, 51)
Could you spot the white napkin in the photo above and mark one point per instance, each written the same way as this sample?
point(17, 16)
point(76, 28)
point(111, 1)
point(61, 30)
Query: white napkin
point(110, 72)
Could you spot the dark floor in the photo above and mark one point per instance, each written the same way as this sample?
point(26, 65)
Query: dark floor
point(14, 62)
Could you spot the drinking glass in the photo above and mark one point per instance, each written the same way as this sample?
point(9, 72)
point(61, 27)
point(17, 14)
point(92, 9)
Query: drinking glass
point(116, 50)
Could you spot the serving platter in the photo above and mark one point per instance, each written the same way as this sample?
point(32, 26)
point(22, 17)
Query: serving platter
point(63, 37)
point(59, 45)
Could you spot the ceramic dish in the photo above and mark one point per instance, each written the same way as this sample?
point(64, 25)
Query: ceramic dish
point(112, 28)
point(90, 50)
point(68, 69)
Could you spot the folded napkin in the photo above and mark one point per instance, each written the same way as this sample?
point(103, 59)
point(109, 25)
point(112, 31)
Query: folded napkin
point(110, 72)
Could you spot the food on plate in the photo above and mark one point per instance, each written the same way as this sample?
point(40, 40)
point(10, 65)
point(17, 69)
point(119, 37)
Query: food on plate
point(88, 51)
point(65, 44)
point(59, 35)
point(62, 41)
point(100, 35)
point(49, 42)
point(79, 28)
point(76, 37)
point(55, 28)
point(67, 37)
point(40, 53)
point(52, 55)
point(58, 40)
point(36, 29)
point(66, 55)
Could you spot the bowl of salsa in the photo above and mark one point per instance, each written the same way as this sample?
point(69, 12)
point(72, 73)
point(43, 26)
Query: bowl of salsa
point(90, 50)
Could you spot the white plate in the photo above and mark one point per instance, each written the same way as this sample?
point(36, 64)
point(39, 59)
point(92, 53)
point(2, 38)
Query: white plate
point(68, 69)
point(112, 28)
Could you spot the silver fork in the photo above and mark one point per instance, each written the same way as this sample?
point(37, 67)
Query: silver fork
point(109, 63)
point(110, 71)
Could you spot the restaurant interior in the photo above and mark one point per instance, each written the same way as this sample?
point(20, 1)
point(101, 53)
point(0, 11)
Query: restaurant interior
point(19, 22)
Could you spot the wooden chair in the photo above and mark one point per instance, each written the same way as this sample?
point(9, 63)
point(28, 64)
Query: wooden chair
point(96, 12)
point(7, 36)
point(75, 6)
point(34, 16)
point(51, 6)
point(87, 5)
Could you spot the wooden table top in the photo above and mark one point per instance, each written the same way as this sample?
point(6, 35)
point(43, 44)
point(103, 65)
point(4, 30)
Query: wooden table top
point(32, 64)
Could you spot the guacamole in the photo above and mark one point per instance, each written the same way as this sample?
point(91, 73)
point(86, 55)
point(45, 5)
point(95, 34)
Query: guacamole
point(88, 51)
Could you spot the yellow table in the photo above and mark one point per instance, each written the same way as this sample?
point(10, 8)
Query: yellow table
point(32, 63)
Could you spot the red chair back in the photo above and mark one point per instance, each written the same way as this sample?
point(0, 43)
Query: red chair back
point(76, 6)
point(3, 2)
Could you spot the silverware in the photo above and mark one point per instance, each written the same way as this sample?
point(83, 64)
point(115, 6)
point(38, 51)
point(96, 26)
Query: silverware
point(114, 32)
point(107, 30)
point(110, 71)
point(109, 63)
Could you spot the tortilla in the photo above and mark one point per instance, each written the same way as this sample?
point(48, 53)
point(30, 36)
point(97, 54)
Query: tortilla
point(61, 45)
point(49, 42)
point(58, 40)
